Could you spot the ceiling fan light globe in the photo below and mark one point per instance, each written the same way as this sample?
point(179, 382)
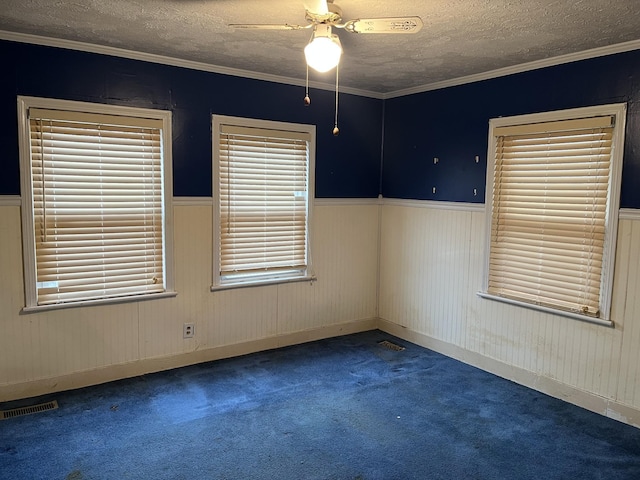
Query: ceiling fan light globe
point(323, 53)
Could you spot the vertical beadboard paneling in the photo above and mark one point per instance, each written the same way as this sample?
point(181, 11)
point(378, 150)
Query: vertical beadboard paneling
point(14, 331)
point(57, 343)
point(573, 352)
point(613, 353)
point(629, 381)
point(49, 344)
point(161, 322)
point(394, 267)
point(243, 314)
point(431, 266)
point(423, 252)
point(473, 339)
point(86, 338)
point(345, 258)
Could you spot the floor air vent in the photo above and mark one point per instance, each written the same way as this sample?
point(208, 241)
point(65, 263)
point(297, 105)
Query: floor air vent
point(391, 345)
point(19, 412)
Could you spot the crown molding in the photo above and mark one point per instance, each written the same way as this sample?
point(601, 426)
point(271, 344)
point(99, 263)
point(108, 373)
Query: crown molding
point(206, 67)
point(175, 62)
point(523, 67)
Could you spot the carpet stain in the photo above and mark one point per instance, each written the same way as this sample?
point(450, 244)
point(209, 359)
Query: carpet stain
point(75, 475)
point(9, 450)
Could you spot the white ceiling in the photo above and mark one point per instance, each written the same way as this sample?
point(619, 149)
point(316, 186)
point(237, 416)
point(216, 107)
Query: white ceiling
point(459, 38)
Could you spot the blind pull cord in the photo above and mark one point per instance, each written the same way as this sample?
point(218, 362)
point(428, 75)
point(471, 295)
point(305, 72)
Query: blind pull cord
point(307, 100)
point(336, 130)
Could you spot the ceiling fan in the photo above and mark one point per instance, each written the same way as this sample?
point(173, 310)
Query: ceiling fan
point(324, 50)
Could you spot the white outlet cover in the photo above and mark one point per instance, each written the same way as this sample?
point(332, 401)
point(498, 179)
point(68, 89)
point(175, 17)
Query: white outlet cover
point(188, 330)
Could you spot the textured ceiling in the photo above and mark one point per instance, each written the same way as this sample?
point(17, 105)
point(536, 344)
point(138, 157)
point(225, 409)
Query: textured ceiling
point(459, 37)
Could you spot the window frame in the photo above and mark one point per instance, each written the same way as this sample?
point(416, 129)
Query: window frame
point(618, 111)
point(24, 103)
point(305, 274)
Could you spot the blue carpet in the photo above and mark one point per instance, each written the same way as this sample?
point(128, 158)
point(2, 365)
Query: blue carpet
point(342, 408)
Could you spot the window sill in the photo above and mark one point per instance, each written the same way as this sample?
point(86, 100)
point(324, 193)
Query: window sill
point(102, 301)
point(576, 316)
point(260, 283)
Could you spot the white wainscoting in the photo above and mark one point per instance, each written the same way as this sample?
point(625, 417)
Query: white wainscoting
point(419, 273)
point(55, 350)
point(431, 267)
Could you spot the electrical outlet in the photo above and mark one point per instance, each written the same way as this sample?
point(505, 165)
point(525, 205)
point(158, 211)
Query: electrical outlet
point(188, 330)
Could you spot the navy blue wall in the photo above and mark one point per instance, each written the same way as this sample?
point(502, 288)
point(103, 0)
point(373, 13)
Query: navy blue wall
point(346, 166)
point(453, 124)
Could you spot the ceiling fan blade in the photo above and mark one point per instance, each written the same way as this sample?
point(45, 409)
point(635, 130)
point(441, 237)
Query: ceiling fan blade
point(383, 25)
point(269, 26)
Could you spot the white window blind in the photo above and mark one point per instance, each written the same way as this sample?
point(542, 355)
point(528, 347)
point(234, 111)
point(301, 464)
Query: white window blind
point(263, 202)
point(549, 213)
point(97, 188)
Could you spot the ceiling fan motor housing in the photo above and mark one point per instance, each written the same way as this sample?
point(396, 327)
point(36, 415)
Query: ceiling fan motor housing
point(334, 15)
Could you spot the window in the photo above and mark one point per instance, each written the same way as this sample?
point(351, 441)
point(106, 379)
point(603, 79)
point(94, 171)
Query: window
point(552, 220)
point(95, 202)
point(263, 183)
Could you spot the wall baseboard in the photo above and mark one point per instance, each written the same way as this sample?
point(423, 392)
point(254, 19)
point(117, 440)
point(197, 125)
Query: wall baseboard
point(111, 373)
point(589, 401)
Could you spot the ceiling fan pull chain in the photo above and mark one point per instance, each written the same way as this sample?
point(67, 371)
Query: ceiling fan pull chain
point(307, 100)
point(336, 130)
